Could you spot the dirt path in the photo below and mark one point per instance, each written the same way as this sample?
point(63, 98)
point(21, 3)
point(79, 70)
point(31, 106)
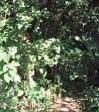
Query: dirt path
point(67, 104)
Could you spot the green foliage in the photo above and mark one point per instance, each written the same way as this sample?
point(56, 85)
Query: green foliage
point(54, 41)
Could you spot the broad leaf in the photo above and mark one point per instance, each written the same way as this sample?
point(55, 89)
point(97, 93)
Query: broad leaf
point(7, 78)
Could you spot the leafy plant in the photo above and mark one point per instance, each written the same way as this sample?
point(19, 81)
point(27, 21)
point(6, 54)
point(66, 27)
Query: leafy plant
point(48, 46)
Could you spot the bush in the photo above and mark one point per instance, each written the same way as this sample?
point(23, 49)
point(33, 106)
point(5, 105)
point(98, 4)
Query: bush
point(48, 46)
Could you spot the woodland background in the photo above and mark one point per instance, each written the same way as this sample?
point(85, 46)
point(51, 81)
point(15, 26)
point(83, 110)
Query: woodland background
point(48, 49)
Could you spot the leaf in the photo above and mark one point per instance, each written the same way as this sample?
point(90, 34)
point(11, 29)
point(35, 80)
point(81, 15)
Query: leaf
point(12, 51)
point(12, 72)
point(14, 100)
point(20, 93)
point(3, 22)
point(17, 78)
point(5, 68)
point(57, 50)
point(7, 78)
point(5, 57)
point(15, 64)
point(20, 26)
point(78, 51)
point(97, 54)
point(46, 58)
point(41, 70)
point(77, 38)
point(1, 56)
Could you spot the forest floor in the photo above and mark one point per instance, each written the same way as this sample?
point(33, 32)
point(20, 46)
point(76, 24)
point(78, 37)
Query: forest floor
point(66, 104)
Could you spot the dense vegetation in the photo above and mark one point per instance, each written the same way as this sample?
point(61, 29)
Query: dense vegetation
point(48, 47)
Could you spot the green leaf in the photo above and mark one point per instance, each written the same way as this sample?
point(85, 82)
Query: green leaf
point(20, 26)
point(2, 23)
point(7, 78)
point(77, 38)
point(20, 93)
point(14, 100)
point(5, 57)
point(97, 54)
point(46, 58)
point(5, 68)
point(1, 56)
point(12, 51)
point(17, 78)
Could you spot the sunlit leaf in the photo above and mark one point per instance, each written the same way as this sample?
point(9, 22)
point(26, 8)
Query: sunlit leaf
point(7, 78)
point(20, 93)
point(5, 57)
point(17, 78)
